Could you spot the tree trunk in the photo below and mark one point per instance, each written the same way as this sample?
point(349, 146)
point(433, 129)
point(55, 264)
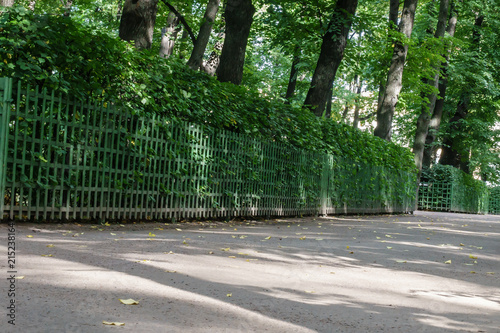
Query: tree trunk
point(169, 35)
point(427, 109)
point(196, 58)
point(437, 114)
point(138, 21)
point(292, 81)
point(67, 7)
point(451, 153)
point(331, 54)
point(239, 18)
point(328, 111)
point(6, 3)
point(394, 78)
point(357, 100)
point(393, 24)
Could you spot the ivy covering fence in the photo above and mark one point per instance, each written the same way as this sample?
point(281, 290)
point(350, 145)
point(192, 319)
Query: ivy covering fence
point(66, 159)
point(445, 188)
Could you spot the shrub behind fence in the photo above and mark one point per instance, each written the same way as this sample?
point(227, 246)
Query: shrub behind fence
point(67, 159)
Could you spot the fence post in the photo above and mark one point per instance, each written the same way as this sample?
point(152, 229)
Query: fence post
point(5, 97)
point(324, 184)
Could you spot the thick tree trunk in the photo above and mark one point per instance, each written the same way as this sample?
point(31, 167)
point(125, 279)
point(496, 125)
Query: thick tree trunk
point(394, 78)
point(437, 114)
point(196, 58)
point(427, 109)
point(435, 121)
point(138, 21)
point(169, 35)
point(451, 153)
point(393, 24)
point(211, 65)
point(239, 18)
point(292, 81)
point(331, 54)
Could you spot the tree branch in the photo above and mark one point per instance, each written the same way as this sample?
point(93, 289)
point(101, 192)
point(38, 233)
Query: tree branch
point(182, 19)
point(370, 115)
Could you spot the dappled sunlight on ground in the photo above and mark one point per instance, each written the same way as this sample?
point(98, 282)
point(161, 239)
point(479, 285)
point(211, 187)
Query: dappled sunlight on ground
point(346, 274)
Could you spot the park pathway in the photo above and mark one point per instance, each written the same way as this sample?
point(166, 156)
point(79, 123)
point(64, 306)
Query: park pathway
point(427, 272)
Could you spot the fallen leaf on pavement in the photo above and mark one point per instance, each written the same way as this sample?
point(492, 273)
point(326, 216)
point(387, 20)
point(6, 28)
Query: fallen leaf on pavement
point(113, 323)
point(128, 301)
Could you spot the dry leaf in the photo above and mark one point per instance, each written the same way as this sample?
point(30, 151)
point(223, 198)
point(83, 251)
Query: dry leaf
point(268, 237)
point(472, 257)
point(113, 323)
point(152, 235)
point(229, 295)
point(112, 234)
point(29, 236)
point(461, 244)
point(347, 247)
point(225, 249)
point(50, 245)
point(302, 238)
point(389, 247)
point(129, 301)
point(170, 271)
point(232, 257)
point(447, 262)
point(47, 255)
point(401, 261)
point(178, 229)
point(472, 272)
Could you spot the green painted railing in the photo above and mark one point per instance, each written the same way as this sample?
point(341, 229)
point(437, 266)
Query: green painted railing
point(494, 200)
point(64, 159)
point(453, 197)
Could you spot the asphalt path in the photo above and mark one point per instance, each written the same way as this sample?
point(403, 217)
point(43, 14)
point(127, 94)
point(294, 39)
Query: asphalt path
point(427, 272)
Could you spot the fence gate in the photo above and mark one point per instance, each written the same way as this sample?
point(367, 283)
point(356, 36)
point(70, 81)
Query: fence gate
point(5, 97)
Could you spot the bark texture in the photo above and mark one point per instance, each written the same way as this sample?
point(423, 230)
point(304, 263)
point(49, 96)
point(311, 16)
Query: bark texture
point(454, 151)
point(138, 21)
point(393, 25)
point(239, 18)
point(196, 58)
point(292, 81)
point(437, 113)
point(427, 109)
point(169, 35)
point(385, 112)
point(331, 54)
point(6, 3)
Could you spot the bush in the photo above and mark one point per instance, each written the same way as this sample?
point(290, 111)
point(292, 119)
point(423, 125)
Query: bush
point(57, 53)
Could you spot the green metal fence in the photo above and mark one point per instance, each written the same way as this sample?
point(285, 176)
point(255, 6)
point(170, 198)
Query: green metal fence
point(453, 197)
point(494, 200)
point(66, 159)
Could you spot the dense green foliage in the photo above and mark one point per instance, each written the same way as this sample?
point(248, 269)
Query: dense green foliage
point(59, 53)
